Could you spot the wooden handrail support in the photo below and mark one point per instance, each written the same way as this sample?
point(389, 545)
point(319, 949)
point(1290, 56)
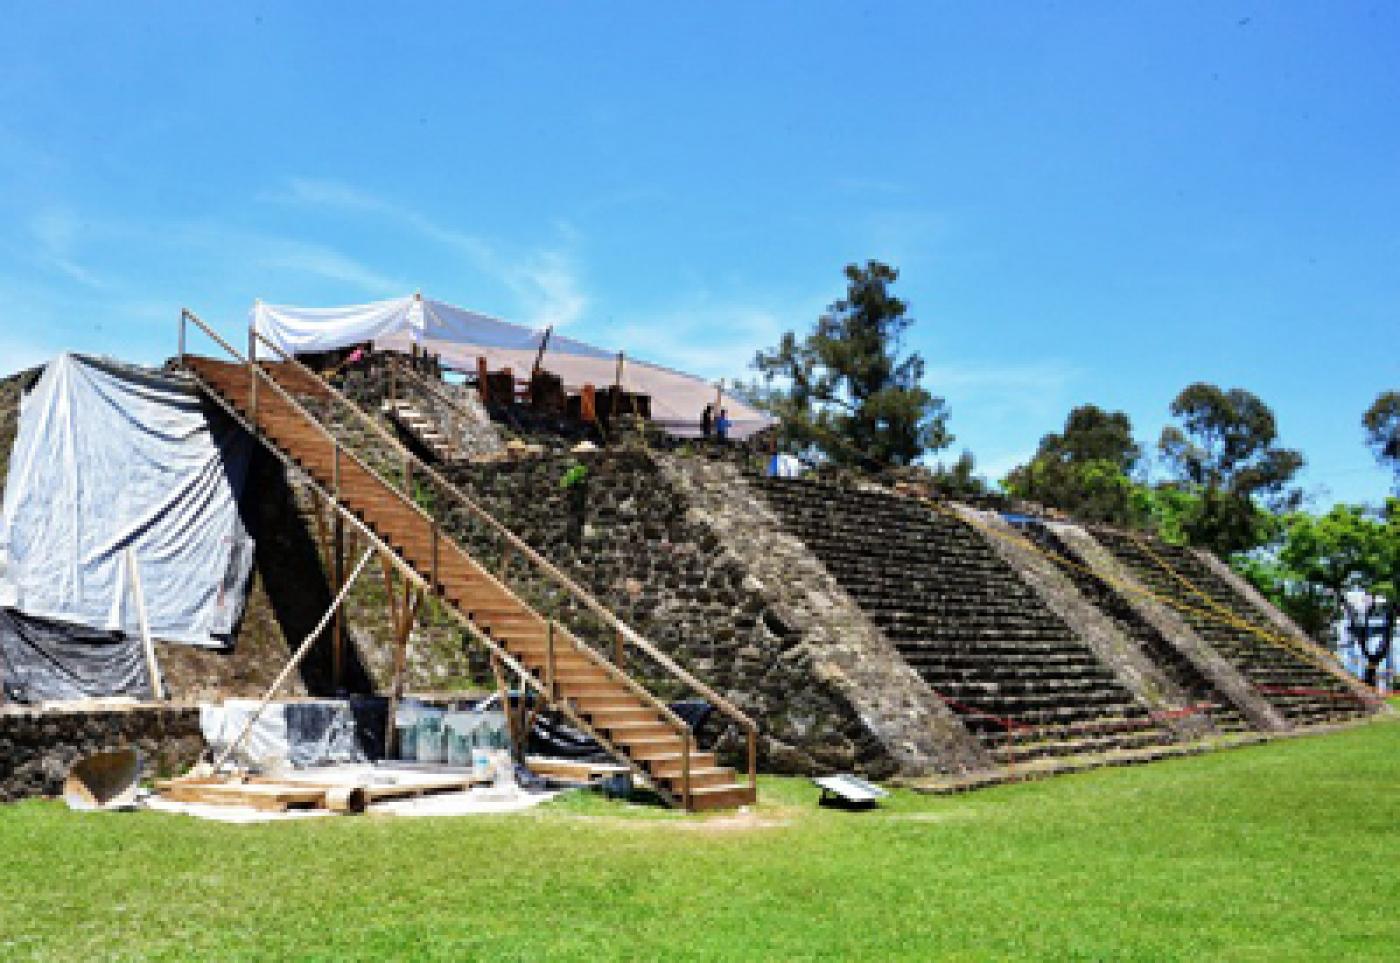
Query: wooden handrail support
point(412, 575)
point(293, 662)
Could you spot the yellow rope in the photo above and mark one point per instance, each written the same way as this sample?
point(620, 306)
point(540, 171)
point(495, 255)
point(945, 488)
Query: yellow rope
point(1308, 650)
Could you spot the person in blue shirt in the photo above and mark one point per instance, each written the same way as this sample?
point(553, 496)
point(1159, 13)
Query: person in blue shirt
point(722, 424)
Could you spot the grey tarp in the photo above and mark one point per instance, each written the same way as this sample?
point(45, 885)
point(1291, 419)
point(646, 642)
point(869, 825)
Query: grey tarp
point(110, 457)
point(43, 660)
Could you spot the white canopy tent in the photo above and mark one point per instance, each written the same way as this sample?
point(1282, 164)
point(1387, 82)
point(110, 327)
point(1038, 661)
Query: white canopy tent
point(460, 336)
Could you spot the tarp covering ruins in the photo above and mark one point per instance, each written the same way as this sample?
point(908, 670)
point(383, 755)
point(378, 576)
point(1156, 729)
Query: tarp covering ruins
point(110, 458)
point(460, 336)
point(46, 661)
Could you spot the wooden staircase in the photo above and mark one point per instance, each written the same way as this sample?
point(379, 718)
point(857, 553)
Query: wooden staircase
point(596, 694)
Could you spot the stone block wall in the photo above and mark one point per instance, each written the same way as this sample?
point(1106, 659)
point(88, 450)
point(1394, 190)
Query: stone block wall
point(37, 748)
point(633, 539)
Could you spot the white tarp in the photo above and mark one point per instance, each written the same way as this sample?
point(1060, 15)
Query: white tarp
point(108, 458)
point(461, 336)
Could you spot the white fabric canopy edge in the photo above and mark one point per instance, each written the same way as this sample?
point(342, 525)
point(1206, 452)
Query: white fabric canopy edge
point(460, 336)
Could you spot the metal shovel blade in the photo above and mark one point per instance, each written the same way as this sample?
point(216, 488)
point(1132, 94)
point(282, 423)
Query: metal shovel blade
point(104, 780)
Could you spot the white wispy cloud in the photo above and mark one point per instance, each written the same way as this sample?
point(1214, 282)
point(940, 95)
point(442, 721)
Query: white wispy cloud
point(290, 255)
point(56, 232)
point(712, 339)
point(1026, 378)
point(545, 280)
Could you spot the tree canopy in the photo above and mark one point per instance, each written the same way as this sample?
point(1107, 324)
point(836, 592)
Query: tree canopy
point(847, 389)
point(1382, 424)
point(1083, 470)
point(1225, 452)
point(1341, 566)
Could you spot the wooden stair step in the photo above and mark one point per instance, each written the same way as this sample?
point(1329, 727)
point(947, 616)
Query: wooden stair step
point(706, 798)
point(663, 764)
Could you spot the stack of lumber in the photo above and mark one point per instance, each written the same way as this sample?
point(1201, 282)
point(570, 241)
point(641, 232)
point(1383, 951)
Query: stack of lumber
point(338, 792)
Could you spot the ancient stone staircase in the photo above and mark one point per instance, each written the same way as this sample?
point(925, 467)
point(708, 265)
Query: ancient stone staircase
point(1179, 669)
point(453, 427)
point(594, 693)
point(1296, 686)
point(981, 639)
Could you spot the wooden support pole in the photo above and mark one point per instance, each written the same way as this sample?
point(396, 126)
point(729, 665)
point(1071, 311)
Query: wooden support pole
point(539, 356)
point(338, 631)
point(401, 633)
point(387, 567)
point(512, 724)
point(152, 666)
point(617, 389)
point(292, 663)
point(587, 405)
point(549, 660)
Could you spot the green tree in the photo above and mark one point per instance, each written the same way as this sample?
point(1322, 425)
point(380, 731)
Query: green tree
point(1083, 470)
point(1224, 452)
point(1382, 424)
point(1342, 566)
point(846, 389)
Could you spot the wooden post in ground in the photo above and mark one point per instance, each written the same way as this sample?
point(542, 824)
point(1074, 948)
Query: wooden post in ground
point(338, 631)
point(408, 615)
point(481, 380)
point(152, 666)
point(503, 690)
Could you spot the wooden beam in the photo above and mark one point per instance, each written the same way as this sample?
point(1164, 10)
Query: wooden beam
point(292, 663)
point(338, 631)
point(387, 566)
point(401, 633)
point(152, 666)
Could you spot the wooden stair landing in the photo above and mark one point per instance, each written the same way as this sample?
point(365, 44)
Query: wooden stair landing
point(596, 693)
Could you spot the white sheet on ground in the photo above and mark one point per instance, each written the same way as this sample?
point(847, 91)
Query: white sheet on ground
point(267, 744)
point(110, 457)
point(461, 336)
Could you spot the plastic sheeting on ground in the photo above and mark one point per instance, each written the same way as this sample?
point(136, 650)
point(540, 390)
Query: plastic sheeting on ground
point(42, 660)
point(461, 336)
point(110, 457)
point(303, 733)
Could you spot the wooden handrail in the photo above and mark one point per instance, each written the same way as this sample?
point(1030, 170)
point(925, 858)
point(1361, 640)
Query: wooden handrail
point(408, 571)
point(539, 561)
point(521, 546)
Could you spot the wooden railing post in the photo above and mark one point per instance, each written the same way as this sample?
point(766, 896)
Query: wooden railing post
point(549, 660)
point(335, 470)
point(437, 583)
point(685, 764)
point(753, 758)
point(619, 649)
point(253, 378)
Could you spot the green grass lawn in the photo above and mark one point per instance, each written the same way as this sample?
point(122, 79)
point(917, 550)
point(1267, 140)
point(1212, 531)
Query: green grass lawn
point(1288, 850)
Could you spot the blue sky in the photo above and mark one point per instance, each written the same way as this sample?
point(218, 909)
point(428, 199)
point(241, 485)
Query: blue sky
point(1087, 202)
